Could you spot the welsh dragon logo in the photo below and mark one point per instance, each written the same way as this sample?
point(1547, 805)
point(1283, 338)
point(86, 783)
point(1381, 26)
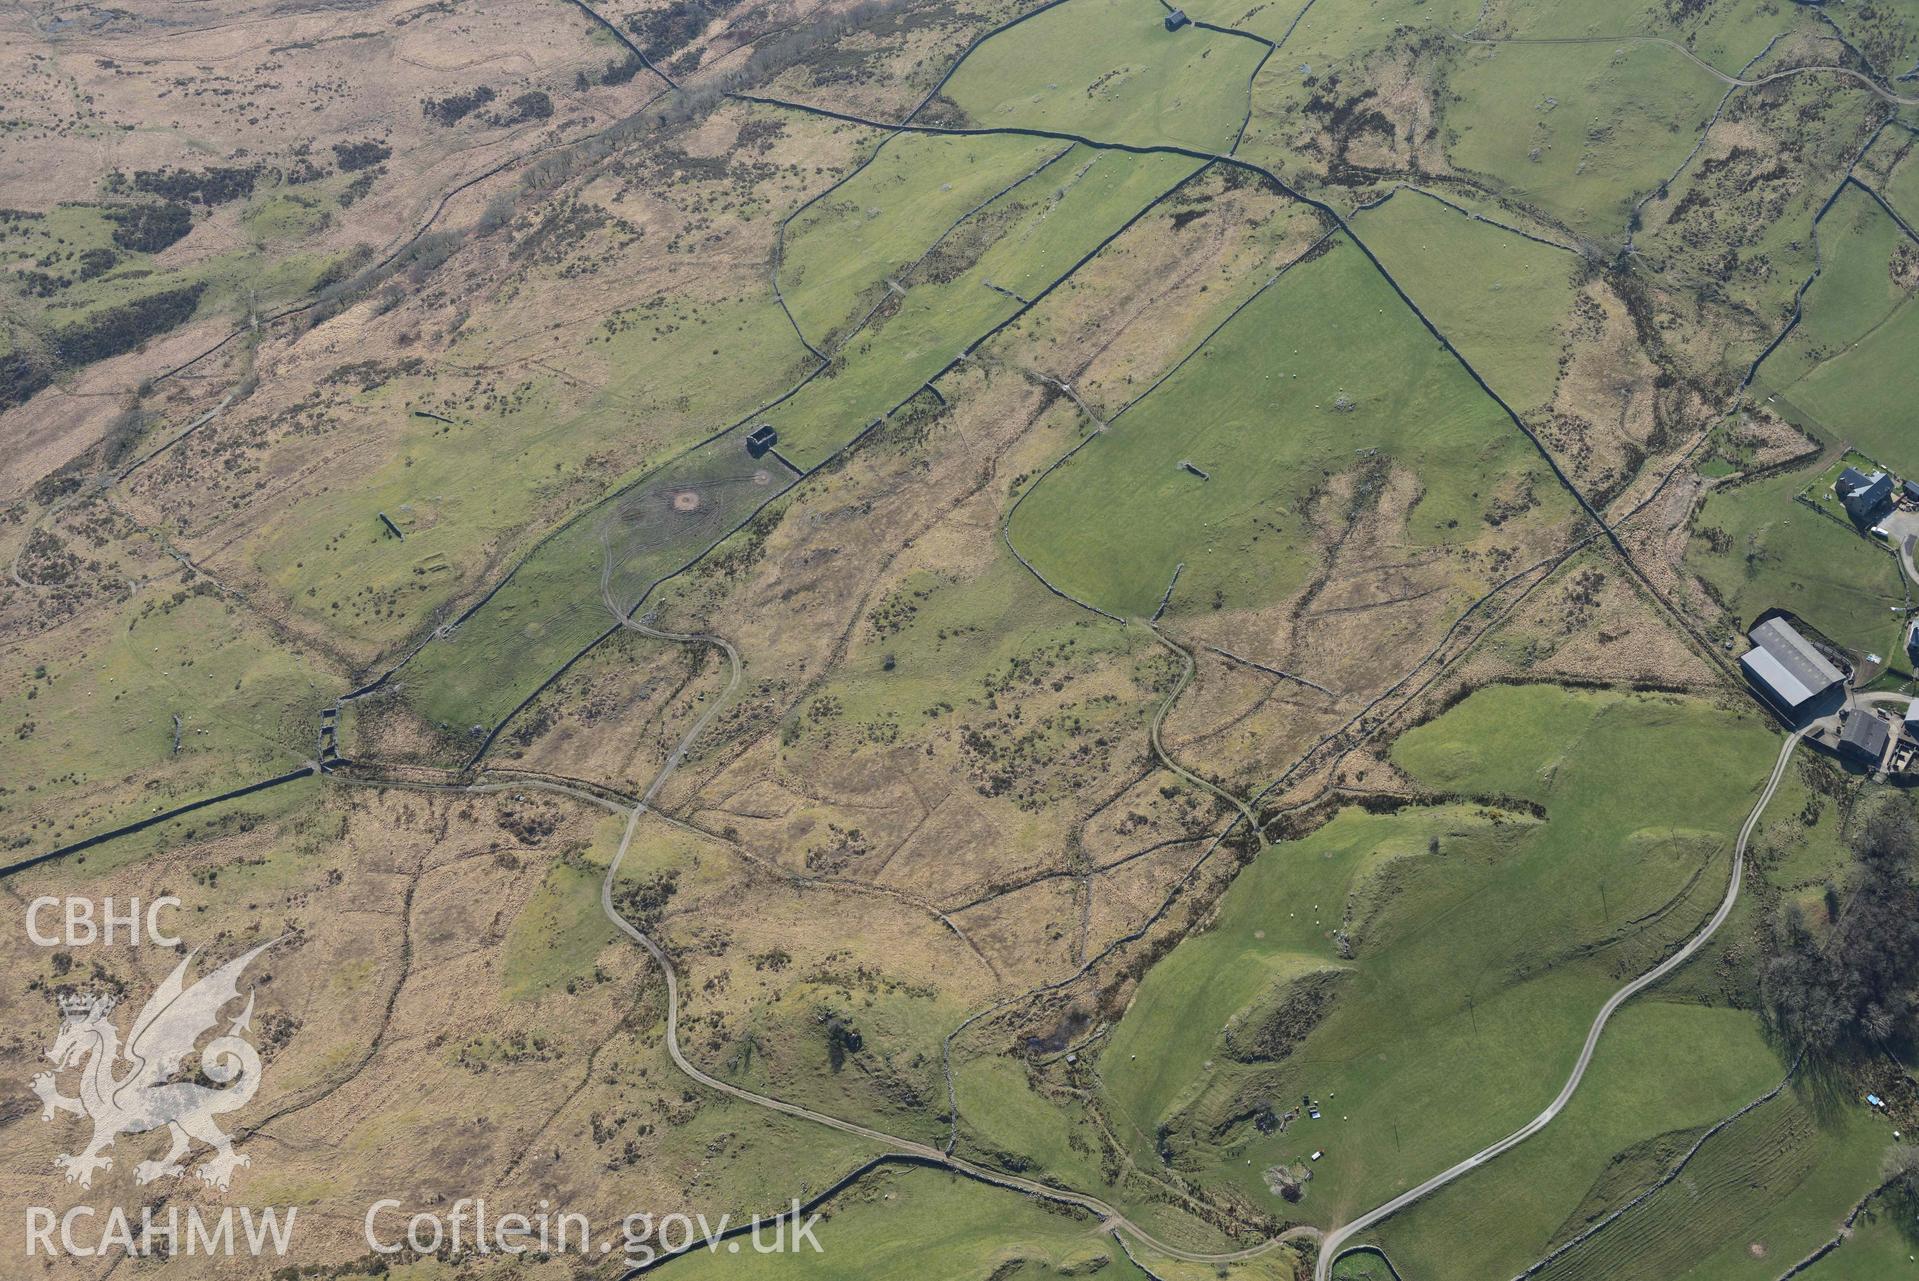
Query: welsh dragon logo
point(131, 1089)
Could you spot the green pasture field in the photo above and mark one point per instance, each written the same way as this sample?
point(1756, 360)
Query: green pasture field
point(1642, 1090)
point(1000, 1112)
point(1123, 370)
point(77, 718)
point(1865, 394)
point(892, 1225)
point(1485, 940)
point(1735, 221)
point(1109, 70)
point(1258, 409)
point(683, 369)
point(1887, 33)
point(551, 606)
point(288, 804)
point(556, 937)
point(264, 273)
point(1759, 549)
point(840, 252)
point(1901, 187)
point(1846, 370)
point(1579, 131)
point(1791, 854)
point(1006, 1121)
point(1329, 46)
point(1779, 1178)
point(1880, 1246)
point(1500, 297)
point(738, 1158)
point(1021, 243)
point(1363, 1267)
point(782, 1051)
point(1322, 39)
point(1854, 295)
point(1727, 35)
point(279, 212)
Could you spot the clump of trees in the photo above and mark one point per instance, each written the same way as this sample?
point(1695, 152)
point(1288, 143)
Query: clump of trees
point(149, 228)
point(455, 107)
point(536, 105)
point(104, 332)
point(843, 1040)
point(354, 156)
point(1850, 991)
point(122, 433)
point(212, 186)
point(112, 330)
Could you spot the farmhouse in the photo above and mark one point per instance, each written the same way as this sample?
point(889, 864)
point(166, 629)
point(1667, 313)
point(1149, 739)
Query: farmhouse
point(1864, 737)
point(761, 439)
point(1863, 495)
point(1176, 19)
point(1787, 669)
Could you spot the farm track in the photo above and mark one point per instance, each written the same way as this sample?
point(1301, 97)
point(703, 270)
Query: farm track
point(1216, 840)
point(379, 680)
point(1664, 1181)
point(920, 1153)
point(1330, 1251)
point(1159, 721)
point(1110, 1218)
point(893, 130)
point(103, 483)
point(824, 464)
point(1738, 1159)
point(736, 669)
point(1725, 99)
point(1339, 222)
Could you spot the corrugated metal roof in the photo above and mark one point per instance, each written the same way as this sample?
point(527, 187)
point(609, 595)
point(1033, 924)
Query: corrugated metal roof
point(1805, 669)
point(1776, 677)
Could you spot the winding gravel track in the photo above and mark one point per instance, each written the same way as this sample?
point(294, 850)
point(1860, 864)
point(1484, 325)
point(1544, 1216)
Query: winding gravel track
point(1159, 719)
point(1111, 1219)
point(1329, 1252)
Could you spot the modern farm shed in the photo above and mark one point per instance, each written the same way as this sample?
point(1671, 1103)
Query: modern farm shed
point(1786, 667)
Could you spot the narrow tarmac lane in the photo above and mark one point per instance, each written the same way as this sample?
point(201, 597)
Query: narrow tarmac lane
point(1329, 1252)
